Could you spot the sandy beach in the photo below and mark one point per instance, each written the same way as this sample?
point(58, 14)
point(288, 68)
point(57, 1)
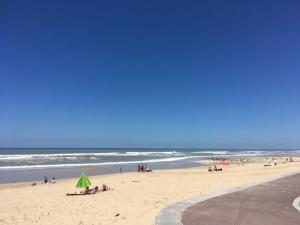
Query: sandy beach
point(136, 197)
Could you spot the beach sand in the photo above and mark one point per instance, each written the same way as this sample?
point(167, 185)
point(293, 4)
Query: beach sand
point(136, 197)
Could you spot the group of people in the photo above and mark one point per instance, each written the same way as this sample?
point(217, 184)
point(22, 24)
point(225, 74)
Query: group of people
point(141, 167)
point(46, 180)
point(275, 163)
point(88, 191)
point(215, 169)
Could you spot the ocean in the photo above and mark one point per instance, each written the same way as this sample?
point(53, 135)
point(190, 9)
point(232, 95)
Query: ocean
point(32, 164)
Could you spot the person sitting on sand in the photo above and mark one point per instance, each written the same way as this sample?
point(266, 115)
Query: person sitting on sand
point(53, 181)
point(104, 188)
point(148, 170)
point(45, 179)
point(209, 169)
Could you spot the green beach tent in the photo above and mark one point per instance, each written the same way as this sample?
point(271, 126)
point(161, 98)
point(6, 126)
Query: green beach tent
point(83, 181)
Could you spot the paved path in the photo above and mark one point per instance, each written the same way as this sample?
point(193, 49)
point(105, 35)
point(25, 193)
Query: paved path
point(266, 204)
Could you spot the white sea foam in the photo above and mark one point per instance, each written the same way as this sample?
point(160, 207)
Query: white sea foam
point(27, 161)
point(240, 153)
point(153, 153)
point(66, 155)
point(15, 157)
point(212, 152)
point(93, 164)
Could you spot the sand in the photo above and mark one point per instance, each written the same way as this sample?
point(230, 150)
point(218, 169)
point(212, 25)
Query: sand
point(136, 197)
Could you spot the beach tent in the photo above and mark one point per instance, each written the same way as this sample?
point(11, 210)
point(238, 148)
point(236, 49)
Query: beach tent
point(224, 164)
point(83, 181)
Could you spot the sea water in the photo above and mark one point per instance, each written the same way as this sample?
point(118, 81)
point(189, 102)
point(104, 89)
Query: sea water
point(32, 164)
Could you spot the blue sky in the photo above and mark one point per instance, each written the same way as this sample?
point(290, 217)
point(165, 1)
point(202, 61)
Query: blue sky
point(222, 74)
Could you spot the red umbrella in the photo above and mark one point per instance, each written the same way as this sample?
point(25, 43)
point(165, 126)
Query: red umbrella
point(224, 164)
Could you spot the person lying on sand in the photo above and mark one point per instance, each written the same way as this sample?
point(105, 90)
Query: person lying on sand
point(268, 164)
point(94, 190)
point(217, 169)
point(86, 191)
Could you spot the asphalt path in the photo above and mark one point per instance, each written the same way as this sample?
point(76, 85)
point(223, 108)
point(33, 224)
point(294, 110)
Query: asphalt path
point(270, 203)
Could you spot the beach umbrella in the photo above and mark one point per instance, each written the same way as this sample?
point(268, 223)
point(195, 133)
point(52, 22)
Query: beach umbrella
point(224, 164)
point(83, 181)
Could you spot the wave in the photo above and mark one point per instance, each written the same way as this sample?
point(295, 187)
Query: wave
point(66, 155)
point(212, 152)
point(153, 153)
point(243, 153)
point(94, 164)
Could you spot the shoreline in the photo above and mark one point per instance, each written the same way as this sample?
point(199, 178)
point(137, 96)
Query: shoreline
point(94, 171)
point(73, 172)
point(31, 165)
point(20, 184)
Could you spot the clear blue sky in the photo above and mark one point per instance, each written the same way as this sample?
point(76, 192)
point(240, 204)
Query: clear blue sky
point(150, 73)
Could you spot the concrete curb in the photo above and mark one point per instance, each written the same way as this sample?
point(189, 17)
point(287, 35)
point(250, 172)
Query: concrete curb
point(296, 203)
point(171, 215)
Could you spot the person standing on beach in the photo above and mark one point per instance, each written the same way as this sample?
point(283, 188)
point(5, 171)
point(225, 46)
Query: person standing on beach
point(139, 168)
